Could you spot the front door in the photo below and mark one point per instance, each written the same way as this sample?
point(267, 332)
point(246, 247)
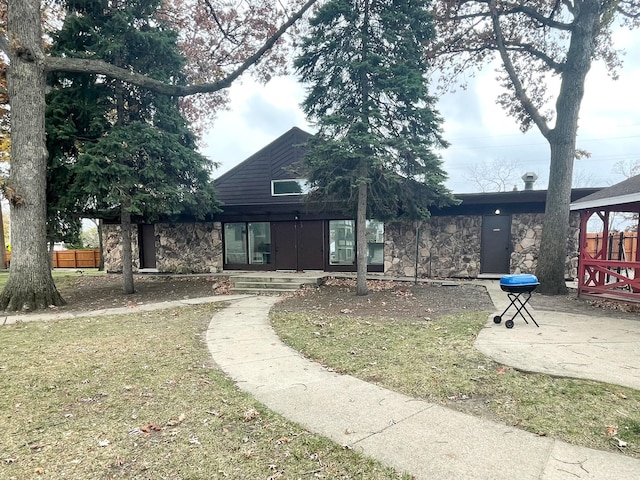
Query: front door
point(495, 244)
point(298, 245)
point(147, 246)
point(285, 245)
point(311, 245)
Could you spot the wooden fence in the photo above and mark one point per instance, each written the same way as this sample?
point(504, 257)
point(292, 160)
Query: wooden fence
point(86, 258)
point(622, 245)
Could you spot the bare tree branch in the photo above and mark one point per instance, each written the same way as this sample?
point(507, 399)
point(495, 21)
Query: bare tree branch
point(527, 47)
point(520, 92)
point(538, 17)
point(99, 67)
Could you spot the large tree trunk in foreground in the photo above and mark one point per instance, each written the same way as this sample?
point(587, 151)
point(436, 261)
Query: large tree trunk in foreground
point(562, 140)
point(30, 285)
point(553, 244)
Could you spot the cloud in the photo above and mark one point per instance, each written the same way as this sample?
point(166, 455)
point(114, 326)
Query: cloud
point(257, 115)
point(479, 130)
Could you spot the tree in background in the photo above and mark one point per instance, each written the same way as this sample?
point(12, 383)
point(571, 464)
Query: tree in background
point(364, 64)
point(244, 34)
point(114, 147)
point(495, 176)
point(534, 41)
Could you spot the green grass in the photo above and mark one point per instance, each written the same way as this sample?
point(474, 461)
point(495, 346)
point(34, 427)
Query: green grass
point(136, 397)
point(436, 361)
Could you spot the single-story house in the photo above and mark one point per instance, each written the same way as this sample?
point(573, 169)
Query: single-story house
point(267, 225)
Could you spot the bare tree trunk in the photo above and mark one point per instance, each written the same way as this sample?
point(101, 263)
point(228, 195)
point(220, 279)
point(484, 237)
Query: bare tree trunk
point(30, 285)
point(361, 241)
point(100, 246)
point(562, 140)
point(127, 264)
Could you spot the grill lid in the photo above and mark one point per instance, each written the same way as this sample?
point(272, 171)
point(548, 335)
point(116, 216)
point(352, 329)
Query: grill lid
point(519, 280)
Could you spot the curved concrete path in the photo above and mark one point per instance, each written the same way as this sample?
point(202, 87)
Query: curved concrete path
point(426, 440)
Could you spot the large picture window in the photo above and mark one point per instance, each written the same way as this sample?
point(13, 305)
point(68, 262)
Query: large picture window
point(342, 242)
point(375, 242)
point(247, 243)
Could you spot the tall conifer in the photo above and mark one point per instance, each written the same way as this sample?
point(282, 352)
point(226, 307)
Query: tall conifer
point(115, 146)
point(365, 68)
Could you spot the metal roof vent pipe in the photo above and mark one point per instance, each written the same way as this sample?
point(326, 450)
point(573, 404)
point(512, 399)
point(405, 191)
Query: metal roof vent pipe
point(529, 179)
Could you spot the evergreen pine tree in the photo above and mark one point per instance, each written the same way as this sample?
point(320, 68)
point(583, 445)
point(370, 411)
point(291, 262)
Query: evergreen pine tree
point(114, 146)
point(365, 67)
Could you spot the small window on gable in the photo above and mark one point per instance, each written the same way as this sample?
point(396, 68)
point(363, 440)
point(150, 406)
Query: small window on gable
point(295, 186)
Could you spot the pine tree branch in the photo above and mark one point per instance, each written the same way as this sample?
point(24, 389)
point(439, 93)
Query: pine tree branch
point(99, 67)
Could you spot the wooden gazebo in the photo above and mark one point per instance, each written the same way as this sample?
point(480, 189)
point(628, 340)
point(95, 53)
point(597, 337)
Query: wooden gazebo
point(600, 273)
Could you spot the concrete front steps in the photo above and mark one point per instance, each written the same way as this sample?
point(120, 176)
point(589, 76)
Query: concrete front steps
point(271, 283)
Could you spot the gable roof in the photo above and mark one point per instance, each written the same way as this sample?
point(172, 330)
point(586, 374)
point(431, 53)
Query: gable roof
point(249, 183)
point(623, 193)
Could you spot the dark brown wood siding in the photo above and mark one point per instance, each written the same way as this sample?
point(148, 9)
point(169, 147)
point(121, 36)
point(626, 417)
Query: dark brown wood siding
point(249, 183)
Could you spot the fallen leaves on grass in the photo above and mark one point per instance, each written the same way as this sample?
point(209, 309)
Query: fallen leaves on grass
point(250, 414)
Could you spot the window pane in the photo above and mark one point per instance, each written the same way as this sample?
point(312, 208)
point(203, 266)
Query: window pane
point(235, 243)
point(375, 242)
point(289, 187)
point(259, 243)
point(341, 242)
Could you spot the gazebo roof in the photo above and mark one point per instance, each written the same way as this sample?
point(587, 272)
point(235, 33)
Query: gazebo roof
point(623, 193)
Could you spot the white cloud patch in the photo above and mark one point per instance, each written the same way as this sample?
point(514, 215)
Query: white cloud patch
point(479, 130)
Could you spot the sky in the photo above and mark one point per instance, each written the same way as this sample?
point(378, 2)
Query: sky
point(480, 133)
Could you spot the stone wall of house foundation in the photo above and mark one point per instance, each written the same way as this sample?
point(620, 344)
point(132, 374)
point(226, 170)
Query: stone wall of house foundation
point(448, 246)
point(526, 234)
point(189, 247)
point(180, 248)
point(112, 248)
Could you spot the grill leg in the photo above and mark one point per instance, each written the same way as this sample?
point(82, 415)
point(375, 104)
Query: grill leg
point(521, 306)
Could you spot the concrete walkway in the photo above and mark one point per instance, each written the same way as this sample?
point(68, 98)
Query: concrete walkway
point(139, 307)
point(570, 345)
point(426, 440)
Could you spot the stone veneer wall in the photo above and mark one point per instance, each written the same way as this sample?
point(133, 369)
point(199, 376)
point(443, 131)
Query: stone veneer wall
point(112, 248)
point(180, 248)
point(526, 233)
point(449, 246)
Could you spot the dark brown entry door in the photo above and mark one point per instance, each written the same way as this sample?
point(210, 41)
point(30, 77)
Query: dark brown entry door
point(147, 245)
point(311, 245)
point(298, 245)
point(285, 245)
point(496, 242)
